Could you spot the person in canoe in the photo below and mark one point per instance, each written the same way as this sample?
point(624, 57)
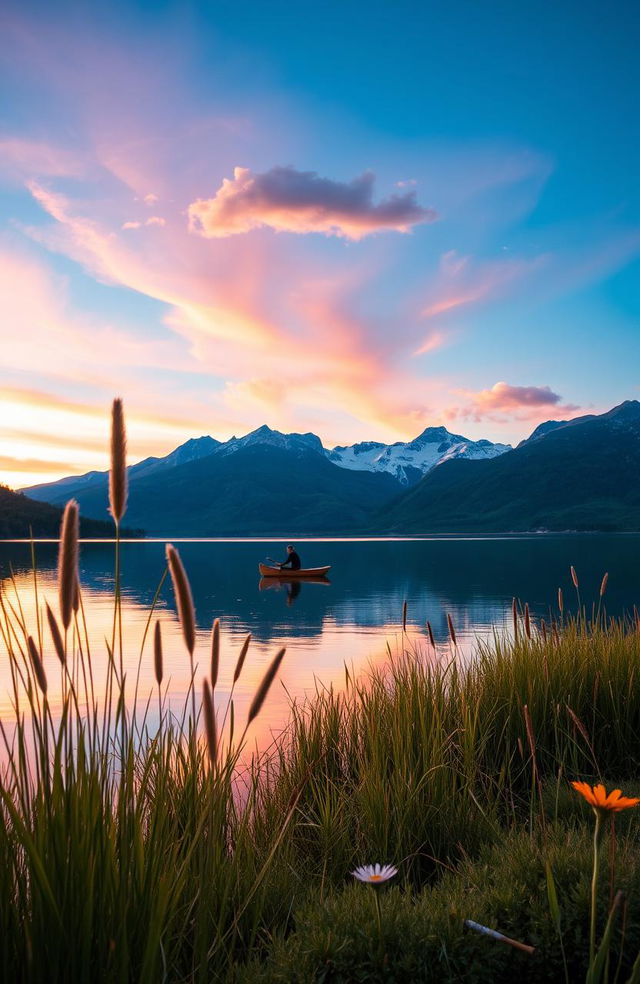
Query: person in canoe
point(292, 562)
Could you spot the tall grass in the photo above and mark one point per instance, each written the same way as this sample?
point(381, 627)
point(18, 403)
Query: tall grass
point(422, 761)
point(125, 853)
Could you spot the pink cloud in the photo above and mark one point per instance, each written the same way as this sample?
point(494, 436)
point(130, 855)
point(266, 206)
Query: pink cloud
point(22, 158)
point(502, 396)
point(154, 220)
point(515, 402)
point(288, 200)
point(431, 342)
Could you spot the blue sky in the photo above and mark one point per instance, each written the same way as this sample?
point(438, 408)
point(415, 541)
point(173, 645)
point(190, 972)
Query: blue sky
point(357, 219)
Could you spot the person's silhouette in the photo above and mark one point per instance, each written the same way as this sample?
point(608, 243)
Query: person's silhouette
point(293, 560)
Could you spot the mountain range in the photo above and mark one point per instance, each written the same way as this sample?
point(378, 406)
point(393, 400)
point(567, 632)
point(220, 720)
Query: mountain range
point(580, 474)
point(266, 481)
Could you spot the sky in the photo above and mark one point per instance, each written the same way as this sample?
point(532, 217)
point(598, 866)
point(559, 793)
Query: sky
point(357, 219)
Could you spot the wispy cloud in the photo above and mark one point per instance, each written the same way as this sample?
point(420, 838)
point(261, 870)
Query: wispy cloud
point(288, 200)
point(37, 466)
point(462, 281)
point(153, 220)
point(22, 158)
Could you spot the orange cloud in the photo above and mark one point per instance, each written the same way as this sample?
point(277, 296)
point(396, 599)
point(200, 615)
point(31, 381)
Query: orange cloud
point(36, 466)
point(288, 200)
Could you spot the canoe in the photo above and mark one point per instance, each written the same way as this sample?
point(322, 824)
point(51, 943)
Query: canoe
point(267, 571)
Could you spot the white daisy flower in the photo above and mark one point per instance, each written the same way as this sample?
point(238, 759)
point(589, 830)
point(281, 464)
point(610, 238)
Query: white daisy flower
point(374, 874)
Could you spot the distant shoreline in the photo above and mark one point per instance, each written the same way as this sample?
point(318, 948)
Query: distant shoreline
point(336, 537)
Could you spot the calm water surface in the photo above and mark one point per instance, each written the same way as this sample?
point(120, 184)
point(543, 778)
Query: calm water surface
point(348, 620)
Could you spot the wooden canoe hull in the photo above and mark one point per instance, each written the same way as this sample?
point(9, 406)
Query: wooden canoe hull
point(287, 573)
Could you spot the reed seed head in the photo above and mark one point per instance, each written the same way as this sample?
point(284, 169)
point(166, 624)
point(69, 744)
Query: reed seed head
point(157, 652)
point(514, 615)
point(210, 722)
point(560, 601)
point(38, 668)
point(603, 586)
point(263, 689)
point(404, 616)
point(118, 471)
point(241, 658)
point(574, 578)
point(579, 725)
point(430, 631)
point(215, 652)
point(529, 729)
point(68, 561)
point(184, 598)
point(452, 631)
point(527, 620)
point(58, 644)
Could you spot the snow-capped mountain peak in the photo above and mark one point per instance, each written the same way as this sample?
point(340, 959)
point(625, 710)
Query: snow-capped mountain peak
point(273, 438)
point(409, 461)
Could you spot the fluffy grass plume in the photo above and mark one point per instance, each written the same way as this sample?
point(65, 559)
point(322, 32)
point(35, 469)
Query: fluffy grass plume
point(215, 652)
point(157, 652)
point(68, 562)
point(58, 644)
point(118, 472)
point(211, 730)
point(527, 621)
point(241, 658)
point(38, 668)
point(263, 689)
point(184, 598)
point(432, 641)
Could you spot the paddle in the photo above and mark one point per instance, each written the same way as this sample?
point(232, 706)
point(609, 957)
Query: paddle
point(272, 561)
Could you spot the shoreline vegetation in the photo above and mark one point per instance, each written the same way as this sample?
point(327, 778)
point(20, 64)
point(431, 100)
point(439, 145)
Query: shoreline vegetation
point(129, 536)
point(25, 518)
point(131, 853)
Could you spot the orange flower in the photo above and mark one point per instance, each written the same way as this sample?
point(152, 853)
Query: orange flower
point(597, 797)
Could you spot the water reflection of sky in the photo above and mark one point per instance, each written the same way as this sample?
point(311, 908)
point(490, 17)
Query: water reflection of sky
point(350, 620)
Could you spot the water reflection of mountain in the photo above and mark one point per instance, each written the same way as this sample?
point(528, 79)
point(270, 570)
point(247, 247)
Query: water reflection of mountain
point(473, 579)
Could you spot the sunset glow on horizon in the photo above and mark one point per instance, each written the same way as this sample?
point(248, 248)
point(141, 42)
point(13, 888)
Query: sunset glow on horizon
point(232, 220)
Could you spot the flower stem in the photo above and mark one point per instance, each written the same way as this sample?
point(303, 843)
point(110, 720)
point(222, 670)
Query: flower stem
point(594, 888)
point(378, 913)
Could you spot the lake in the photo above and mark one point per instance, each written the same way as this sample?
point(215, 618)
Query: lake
point(351, 619)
